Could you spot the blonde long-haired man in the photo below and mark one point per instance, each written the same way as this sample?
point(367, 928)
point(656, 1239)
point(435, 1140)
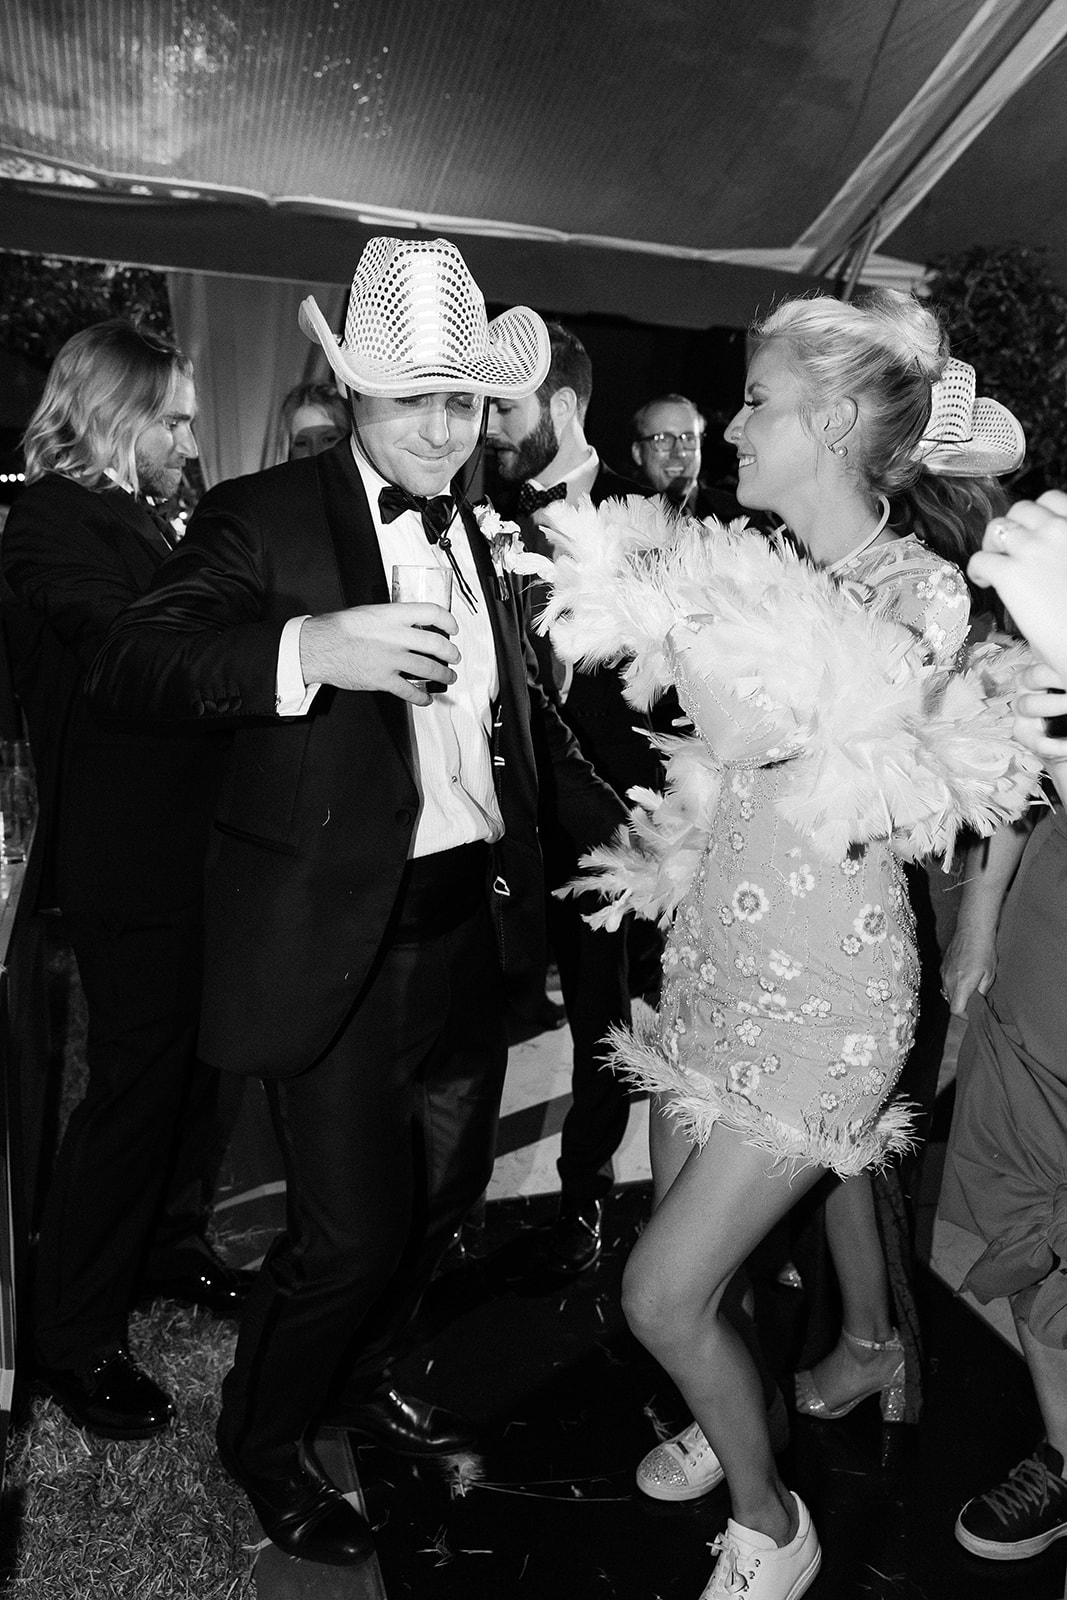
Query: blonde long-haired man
point(121, 840)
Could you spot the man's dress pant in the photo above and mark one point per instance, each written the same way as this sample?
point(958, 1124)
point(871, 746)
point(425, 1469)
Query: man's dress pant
point(387, 1141)
point(131, 1182)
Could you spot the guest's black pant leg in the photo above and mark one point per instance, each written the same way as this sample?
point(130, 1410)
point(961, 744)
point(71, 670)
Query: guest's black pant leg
point(594, 980)
point(141, 978)
point(387, 1141)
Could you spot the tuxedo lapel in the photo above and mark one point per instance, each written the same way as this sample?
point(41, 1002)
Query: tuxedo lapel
point(351, 526)
point(359, 566)
point(149, 546)
point(487, 576)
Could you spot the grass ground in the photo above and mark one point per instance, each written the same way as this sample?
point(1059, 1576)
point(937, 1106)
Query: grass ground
point(157, 1519)
point(93, 1519)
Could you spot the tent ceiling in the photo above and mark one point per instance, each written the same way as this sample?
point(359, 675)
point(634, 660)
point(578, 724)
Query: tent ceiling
point(663, 159)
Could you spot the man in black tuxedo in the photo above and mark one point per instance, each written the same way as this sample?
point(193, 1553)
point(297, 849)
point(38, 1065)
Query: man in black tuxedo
point(122, 833)
point(666, 442)
point(374, 877)
point(538, 455)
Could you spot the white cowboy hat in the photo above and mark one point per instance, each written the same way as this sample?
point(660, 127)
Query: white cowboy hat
point(416, 324)
point(965, 437)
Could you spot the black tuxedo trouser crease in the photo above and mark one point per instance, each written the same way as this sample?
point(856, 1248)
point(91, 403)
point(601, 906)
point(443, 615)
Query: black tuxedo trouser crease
point(387, 1142)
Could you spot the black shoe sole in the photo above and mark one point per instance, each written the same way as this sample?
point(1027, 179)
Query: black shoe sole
point(1022, 1550)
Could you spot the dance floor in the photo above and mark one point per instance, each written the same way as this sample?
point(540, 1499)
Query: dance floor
point(568, 1404)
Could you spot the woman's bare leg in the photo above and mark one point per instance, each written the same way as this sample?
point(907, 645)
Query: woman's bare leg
point(668, 1148)
point(859, 1261)
point(723, 1201)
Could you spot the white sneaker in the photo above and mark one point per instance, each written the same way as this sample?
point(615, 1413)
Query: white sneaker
point(685, 1466)
point(752, 1565)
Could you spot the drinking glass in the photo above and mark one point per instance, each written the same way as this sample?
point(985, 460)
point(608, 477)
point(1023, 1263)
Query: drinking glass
point(424, 584)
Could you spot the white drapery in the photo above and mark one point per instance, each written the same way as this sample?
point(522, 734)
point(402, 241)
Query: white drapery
point(243, 339)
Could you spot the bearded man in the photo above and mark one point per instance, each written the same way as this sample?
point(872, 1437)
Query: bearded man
point(539, 456)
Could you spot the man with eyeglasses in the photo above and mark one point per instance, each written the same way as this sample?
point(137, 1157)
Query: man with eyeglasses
point(667, 434)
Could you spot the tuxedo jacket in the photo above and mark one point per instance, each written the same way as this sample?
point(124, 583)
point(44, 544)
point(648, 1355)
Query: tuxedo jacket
point(123, 809)
point(610, 733)
point(316, 813)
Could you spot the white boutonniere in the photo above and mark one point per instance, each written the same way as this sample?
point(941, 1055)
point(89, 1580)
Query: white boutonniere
point(507, 551)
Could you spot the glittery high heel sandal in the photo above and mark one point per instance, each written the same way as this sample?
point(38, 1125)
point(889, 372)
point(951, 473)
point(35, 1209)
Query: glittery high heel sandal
point(811, 1403)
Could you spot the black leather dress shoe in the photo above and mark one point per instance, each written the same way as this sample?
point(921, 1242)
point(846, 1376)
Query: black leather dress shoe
point(206, 1282)
point(304, 1514)
point(400, 1423)
point(113, 1398)
point(575, 1239)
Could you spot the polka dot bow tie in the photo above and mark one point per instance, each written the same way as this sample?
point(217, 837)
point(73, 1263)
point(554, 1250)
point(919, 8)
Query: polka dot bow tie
point(532, 499)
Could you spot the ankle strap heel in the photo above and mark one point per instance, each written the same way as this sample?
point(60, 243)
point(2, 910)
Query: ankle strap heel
point(892, 1343)
point(809, 1401)
point(892, 1400)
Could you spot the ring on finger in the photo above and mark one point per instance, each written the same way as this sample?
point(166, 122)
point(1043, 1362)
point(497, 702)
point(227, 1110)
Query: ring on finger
point(999, 531)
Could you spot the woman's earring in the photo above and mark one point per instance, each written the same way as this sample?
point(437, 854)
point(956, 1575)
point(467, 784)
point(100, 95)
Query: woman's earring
point(837, 449)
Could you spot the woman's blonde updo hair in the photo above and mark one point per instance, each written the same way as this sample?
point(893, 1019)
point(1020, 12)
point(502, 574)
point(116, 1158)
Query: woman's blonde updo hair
point(885, 351)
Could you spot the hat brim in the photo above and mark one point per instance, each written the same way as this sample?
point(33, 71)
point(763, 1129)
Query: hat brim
point(515, 365)
point(997, 446)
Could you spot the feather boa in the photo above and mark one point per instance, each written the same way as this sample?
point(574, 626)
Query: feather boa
point(879, 743)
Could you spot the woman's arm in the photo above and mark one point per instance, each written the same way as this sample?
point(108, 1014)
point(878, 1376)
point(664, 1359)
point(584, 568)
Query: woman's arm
point(970, 962)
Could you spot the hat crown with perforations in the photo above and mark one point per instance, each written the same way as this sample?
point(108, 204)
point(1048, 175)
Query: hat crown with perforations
point(416, 324)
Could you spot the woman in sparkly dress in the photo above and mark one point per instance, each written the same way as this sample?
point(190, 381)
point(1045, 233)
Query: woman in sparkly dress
point(822, 690)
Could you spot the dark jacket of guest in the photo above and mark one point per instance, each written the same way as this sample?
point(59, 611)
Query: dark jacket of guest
point(124, 811)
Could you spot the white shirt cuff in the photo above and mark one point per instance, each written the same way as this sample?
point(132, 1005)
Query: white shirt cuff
point(292, 696)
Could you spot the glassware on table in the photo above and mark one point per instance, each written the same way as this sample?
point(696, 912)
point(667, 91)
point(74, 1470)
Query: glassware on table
point(18, 797)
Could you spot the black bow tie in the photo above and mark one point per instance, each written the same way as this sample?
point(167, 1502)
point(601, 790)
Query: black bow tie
point(436, 513)
point(161, 521)
point(531, 498)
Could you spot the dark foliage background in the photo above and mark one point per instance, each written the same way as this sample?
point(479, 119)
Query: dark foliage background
point(1007, 316)
point(44, 301)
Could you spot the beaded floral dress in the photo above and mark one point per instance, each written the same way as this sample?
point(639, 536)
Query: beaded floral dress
point(833, 736)
point(790, 981)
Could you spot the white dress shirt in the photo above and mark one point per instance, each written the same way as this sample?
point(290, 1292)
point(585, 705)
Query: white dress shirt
point(450, 736)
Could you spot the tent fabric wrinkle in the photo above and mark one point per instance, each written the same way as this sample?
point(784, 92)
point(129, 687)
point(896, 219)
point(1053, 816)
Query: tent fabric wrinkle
point(692, 156)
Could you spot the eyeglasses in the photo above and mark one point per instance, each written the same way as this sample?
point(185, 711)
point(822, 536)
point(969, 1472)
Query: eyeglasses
point(664, 443)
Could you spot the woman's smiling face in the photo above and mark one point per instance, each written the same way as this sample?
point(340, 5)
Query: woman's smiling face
point(776, 453)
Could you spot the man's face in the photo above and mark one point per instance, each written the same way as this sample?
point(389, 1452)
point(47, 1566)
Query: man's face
point(521, 440)
point(161, 451)
point(417, 441)
point(669, 468)
point(312, 429)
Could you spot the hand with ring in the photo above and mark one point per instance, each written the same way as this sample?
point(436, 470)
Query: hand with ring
point(1024, 557)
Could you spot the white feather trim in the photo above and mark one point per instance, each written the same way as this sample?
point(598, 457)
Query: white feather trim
point(654, 858)
point(880, 744)
point(697, 1103)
